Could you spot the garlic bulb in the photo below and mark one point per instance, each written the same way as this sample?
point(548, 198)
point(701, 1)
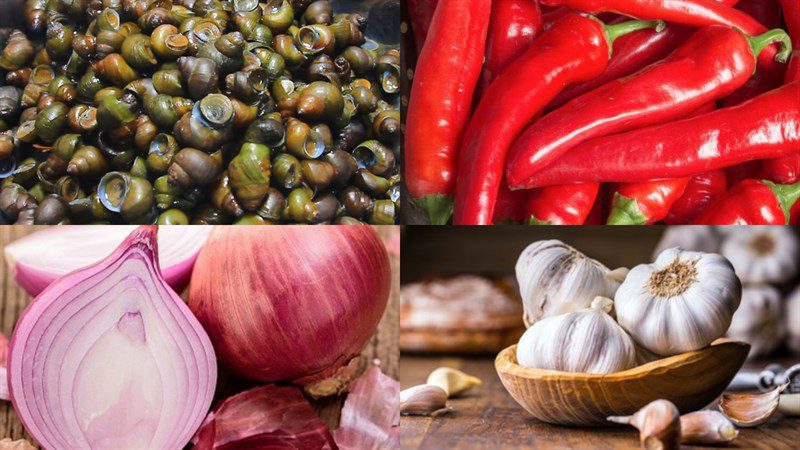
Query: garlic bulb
point(763, 254)
point(554, 279)
point(681, 302)
point(759, 320)
point(793, 320)
point(698, 238)
point(587, 341)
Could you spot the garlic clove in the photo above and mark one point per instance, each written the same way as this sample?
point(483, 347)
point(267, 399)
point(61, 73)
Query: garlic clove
point(453, 381)
point(423, 400)
point(658, 423)
point(750, 410)
point(789, 404)
point(618, 275)
point(707, 427)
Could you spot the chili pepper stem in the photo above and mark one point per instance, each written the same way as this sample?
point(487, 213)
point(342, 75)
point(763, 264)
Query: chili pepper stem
point(787, 195)
point(625, 211)
point(439, 207)
point(532, 220)
point(621, 29)
point(758, 43)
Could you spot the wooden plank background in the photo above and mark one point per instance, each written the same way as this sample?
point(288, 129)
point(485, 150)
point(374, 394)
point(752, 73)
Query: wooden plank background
point(489, 418)
point(383, 345)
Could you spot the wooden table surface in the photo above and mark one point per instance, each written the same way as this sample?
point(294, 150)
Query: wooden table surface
point(383, 346)
point(488, 418)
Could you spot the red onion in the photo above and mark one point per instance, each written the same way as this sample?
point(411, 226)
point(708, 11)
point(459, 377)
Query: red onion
point(371, 414)
point(4, 394)
point(38, 259)
point(109, 356)
point(291, 303)
point(266, 417)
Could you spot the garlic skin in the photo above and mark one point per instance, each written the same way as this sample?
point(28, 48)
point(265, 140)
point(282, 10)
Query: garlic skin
point(587, 341)
point(707, 427)
point(765, 254)
point(793, 320)
point(555, 278)
point(698, 238)
point(681, 302)
point(658, 423)
point(750, 410)
point(423, 400)
point(758, 320)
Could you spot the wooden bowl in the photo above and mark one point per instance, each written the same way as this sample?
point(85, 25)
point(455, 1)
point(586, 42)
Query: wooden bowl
point(690, 380)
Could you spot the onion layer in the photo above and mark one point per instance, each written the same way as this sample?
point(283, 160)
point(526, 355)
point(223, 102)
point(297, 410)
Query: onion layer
point(371, 414)
point(290, 303)
point(266, 417)
point(109, 356)
point(38, 259)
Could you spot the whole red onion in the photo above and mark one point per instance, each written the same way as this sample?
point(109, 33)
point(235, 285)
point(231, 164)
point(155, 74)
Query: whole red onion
point(290, 303)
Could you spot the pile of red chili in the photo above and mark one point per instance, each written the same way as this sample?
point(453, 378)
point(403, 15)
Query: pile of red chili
point(571, 112)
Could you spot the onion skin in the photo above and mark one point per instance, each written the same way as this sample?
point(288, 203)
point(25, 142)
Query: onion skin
point(109, 355)
point(26, 257)
point(290, 303)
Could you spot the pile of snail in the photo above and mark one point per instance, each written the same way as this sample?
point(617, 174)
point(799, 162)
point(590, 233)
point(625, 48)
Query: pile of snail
point(197, 111)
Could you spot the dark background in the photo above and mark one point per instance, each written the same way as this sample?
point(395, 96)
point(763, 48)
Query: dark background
point(430, 251)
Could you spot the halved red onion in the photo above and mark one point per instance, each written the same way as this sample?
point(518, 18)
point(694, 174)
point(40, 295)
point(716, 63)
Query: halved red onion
point(109, 356)
point(38, 259)
point(291, 303)
point(266, 417)
point(371, 414)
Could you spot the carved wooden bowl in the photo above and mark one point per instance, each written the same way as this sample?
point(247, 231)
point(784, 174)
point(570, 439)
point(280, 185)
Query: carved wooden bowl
point(690, 380)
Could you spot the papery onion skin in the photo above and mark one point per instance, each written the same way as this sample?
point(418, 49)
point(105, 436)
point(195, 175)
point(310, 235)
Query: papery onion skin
point(371, 414)
point(265, 417)
point(40, 258)
point(98, 361)
point(290, 303)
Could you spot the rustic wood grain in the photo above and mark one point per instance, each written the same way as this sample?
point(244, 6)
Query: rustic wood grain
point(382, 347)
point(690, 380)
point(488, 418)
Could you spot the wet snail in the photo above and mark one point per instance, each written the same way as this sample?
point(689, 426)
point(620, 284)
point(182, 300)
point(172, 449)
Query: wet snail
point(197, 111)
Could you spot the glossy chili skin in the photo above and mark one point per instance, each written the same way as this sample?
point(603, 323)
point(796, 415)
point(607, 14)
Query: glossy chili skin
point(631, 53)
point(699, 192)
point(441, 100)
point(783, 170)
point(791, 15)
point(743, 171)
point(696, 73)
point(795, 214)
point(513, 27)
point(752, 202)
point(696, 13)
point(567, 204)
point(767, 126)
point(575, 49)
point(420, 13)
point(767, 13)
point(645, 203)
point(510, 205)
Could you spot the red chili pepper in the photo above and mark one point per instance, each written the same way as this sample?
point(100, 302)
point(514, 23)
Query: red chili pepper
point(645, 203)
point(553, 15)
point(567, 204)
point(752, 202)
point(767, 126)
point(631, 53)
point(696, 13)
point(795, 214)
point(595, 216)
point(766, 12)
point(696, 197)
point(513, 27)
point(742, 171)
point(576, 49)
point(791, 15)
point(510, 205)
point(420, 13)
point(784, 170)
point(441, 100)
point(667, 90)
